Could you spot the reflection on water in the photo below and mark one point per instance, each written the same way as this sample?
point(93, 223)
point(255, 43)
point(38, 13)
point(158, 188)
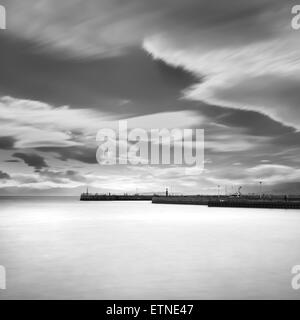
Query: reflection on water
point(65, 249)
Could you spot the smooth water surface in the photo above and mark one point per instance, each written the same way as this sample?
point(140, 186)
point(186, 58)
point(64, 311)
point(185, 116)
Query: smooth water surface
point(61, 248)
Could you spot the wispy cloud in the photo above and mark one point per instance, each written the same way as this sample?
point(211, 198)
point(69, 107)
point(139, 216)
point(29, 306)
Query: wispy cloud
point(33, 124)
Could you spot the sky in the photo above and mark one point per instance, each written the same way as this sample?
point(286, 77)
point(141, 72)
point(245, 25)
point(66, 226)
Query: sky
point(70, 67)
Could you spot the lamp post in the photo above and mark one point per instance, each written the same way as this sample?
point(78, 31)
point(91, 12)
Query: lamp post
point(260, 189)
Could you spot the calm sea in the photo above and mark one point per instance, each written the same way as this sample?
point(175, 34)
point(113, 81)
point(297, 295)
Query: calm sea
point(61, 248)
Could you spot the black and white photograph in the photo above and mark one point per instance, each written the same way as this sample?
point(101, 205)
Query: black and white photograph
point(149, 150)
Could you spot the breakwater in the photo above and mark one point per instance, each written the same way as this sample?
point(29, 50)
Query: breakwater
point(105, 197)
point(262, 204)
point(195, 200)
point(278, 202)
point(275, 202)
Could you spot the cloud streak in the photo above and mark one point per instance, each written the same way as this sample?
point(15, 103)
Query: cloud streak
point(32, 160)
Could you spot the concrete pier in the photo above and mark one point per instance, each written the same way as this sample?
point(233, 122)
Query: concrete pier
point(245, 202)
point(263, 204)
point(192, 200)
point(104, 197)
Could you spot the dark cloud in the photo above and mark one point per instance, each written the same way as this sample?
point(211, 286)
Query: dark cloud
point(251, 122)
point(4, 176)
point(7, 143)
point(83, 154)
point(32, 160)
point(276, 96)
point(131, 83)
point(107, 26)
